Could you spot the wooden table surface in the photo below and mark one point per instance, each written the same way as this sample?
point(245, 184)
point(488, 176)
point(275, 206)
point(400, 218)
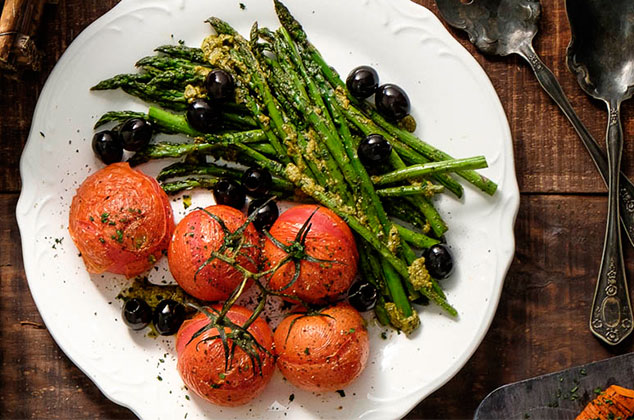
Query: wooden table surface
point(541, 322)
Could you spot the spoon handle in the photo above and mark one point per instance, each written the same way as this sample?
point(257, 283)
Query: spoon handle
point(549, 82)
point(611, 316)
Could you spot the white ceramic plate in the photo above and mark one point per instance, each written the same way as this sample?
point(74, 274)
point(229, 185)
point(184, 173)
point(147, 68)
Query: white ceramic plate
point(456, 108)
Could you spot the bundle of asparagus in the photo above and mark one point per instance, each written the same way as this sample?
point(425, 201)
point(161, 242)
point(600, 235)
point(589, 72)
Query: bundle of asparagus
point(294, 116)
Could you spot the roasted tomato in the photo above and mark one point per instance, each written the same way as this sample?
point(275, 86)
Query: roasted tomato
point(194, 240)
point(325, 351)
point(201, 360)
point(120, 220)
point(329, 240)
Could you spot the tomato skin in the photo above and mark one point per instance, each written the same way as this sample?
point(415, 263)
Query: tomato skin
point(120, 220)
point(329, 238)
point(195, 238)
point(202, 364)
point(323, 353)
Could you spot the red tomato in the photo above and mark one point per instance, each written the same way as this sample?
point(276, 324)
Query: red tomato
point(195, 238)
point(120, 220)
point(201, 363)
point(322, 353)
point(329, 238)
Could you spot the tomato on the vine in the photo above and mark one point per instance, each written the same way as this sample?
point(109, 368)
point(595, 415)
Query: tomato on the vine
point(326, 250)
point(322, 351)
point(200, 234)
point(120, 220)
point(225, 379)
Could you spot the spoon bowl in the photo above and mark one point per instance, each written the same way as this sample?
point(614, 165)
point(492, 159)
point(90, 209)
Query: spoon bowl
point(601, 51)
point(498, 27)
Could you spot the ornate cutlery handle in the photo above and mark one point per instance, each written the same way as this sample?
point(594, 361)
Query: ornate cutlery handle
point(549, 82)
point(611, 316)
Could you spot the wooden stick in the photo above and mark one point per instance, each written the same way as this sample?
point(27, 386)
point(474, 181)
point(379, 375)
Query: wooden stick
point(9, 21)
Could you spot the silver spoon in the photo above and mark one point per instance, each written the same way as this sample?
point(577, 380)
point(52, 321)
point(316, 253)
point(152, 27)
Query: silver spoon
point(503, 27)
point(601, 54)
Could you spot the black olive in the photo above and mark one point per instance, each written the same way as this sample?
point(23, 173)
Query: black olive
point(219, 84)
point(362, 296)
point(107, 146)
point(266, 215)
point(135, 134)
point(392, 102)
point(202, 115)
point(168, 316)
point(439, 261)
point(136, 314)
point(257, 181)
point(229, 193)
point(374, 150)
point(362, 82)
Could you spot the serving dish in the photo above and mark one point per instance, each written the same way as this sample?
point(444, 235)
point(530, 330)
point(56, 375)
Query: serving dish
point(456, 108)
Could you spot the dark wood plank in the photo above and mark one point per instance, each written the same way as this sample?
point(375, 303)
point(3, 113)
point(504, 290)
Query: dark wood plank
point(540, 325)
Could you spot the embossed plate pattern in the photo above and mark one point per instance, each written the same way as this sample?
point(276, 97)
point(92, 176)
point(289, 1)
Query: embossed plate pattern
point(456, 107)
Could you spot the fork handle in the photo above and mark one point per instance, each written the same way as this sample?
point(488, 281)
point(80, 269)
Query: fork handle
point(549, 82)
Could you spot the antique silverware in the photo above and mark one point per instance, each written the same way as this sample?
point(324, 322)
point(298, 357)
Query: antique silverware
point(601, 54)
point(503, 27)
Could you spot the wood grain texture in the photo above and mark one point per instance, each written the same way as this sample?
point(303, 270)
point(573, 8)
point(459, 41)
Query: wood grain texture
point(541, 323)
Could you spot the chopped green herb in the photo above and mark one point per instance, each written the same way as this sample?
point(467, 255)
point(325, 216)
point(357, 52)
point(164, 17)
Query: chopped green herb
point(306, 351)
point(102, 240)
point(119, 236)
point(92, 219)
point(222, 375)
point(104, 217)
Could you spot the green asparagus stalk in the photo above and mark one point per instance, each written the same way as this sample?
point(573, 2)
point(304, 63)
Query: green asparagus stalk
point(419, 240)
point(417, 171)
point(209, 168)
point(194, 55)
point(427, 190)
point(176, 187)
point(118, 116)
